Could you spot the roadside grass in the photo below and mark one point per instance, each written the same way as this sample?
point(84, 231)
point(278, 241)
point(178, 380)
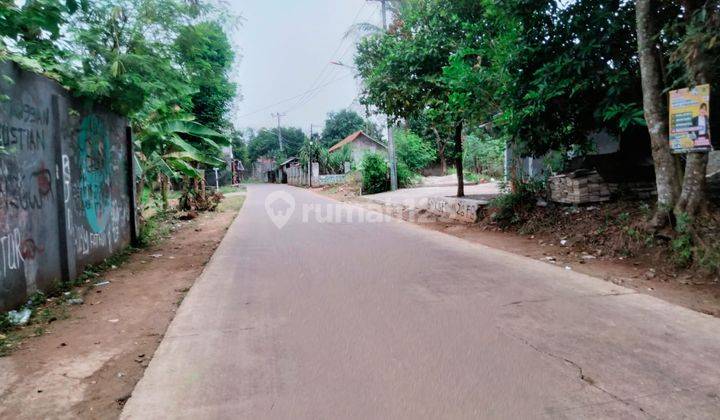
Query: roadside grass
point(228, 189)
point(231, 204)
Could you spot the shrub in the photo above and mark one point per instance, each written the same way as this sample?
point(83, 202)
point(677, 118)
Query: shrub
point(374, 170)
point(682, 245)
point(509, 208)
point(412, 152)
point(405, 176)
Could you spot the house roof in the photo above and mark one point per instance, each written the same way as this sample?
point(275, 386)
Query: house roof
point(289, 160)
point(351, 138)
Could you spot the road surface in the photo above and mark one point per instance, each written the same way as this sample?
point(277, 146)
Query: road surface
point(417, 197)
point(331, 318)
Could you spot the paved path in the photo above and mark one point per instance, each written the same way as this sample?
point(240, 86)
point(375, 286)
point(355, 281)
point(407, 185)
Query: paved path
point(342, 320)
point(417, 197)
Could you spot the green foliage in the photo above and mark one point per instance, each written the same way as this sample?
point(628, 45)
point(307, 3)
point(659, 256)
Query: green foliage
point(335, 162)
point(412, 151)
point(375, 178)
point(264, 143)
point(206, 53)
point(5, 324)
point(340, 125)
point(682, 245)
point(569, 70)
point(510, 208)
point(171, 145)
point(406, 178)
point(162, 63)
point(484, 154)
point(240, 148)
point(430, 68)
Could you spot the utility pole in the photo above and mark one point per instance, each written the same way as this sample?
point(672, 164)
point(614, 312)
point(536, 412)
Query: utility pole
point(391, 139)
point(279, 133)
point(384, 13)
point(310, 158)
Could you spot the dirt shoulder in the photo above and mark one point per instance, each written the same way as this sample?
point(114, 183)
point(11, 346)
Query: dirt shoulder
point(86, 363)
point(595, 242)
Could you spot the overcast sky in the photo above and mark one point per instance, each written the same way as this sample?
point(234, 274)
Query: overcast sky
point(286, 47)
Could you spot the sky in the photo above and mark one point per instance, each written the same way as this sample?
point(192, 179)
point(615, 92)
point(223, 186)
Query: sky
point(286, 48)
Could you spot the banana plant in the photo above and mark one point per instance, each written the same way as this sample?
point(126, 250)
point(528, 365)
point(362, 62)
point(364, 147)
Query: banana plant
point(174, 146)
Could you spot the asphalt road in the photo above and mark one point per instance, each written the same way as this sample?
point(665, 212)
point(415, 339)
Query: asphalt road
point(330, 318)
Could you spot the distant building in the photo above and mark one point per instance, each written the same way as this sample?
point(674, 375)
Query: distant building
point(359, 143)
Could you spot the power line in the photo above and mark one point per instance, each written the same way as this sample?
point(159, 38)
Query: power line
point(293, 97)
point(321, 75)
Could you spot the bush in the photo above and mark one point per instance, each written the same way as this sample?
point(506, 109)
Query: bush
point(374, 170)
point(412, 151)
point(405, 176)
point(509, 208)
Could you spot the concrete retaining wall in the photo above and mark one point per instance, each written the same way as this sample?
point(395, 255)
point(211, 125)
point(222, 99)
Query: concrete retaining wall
point(462, 209)
point(330, 179)
point(65, 185)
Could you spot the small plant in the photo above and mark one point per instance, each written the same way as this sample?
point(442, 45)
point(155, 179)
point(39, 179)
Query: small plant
point(632, 233)
point(37, 299)
point(623, 218)
point(5, 324)
point(682, 245)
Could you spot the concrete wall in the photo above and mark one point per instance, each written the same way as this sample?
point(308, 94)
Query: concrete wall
point(363, 145)
point(65, 185)
point(330, 179)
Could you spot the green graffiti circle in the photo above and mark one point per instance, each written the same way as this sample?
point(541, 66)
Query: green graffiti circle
point(94, 161)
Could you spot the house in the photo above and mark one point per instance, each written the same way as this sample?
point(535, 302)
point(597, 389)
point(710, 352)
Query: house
point(359, 143)
point(291, 172)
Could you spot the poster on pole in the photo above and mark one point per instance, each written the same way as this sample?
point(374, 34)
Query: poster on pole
point(690, 120)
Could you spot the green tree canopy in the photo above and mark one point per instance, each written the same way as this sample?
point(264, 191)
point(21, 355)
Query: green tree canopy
point(340, 125)
point(206, 53)
point(264, 143)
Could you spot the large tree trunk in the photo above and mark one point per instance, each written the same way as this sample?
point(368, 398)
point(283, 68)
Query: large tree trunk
point(655, 108)
point(693, 187)
point(459, 159)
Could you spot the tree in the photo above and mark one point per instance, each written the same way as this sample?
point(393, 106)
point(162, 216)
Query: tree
point(240, 147)
point(339, 125)
point(677, 48)
point(655, 108)
point(408, 72)
point(205, 52)
point(165, 154)
point(265, 143)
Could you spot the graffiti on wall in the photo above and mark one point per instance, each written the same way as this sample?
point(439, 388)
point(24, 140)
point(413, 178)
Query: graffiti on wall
point(94, 159)
point(73, 166)
point(26, 126)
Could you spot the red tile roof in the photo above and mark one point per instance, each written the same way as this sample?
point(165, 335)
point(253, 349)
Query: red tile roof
point(351, 138)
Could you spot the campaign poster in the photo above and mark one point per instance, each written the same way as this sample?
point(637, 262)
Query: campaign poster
point(690, 120)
